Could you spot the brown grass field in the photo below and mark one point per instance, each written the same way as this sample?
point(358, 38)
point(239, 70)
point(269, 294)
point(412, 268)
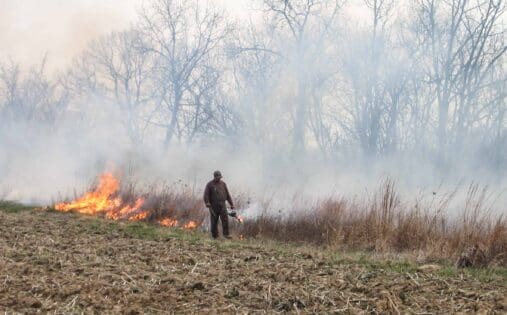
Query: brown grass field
point(67, 263)
point(425, 230)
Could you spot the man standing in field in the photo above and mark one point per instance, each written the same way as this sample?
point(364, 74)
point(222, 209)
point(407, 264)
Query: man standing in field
point(215, 195)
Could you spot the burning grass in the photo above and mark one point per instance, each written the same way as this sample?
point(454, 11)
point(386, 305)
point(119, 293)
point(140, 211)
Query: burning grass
point(423, 229)
point(167, 207)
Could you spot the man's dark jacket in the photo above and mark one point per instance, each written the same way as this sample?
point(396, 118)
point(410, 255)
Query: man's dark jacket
point(216, 193)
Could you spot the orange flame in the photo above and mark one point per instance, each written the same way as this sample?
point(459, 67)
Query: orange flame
point(168, 222)
point(240, 218)
point(105, 200)
point(99, 200)
point(128, 212)
point(139, 217)
point(190, 225)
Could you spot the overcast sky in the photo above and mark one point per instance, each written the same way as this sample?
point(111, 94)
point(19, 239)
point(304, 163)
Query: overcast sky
point(62, 28)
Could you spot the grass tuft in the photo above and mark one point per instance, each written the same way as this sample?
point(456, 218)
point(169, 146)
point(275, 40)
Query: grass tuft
point(13, 207)
point(142, 230)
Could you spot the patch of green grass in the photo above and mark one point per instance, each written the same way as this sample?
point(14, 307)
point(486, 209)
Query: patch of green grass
point(401, 266)
point(147, 231)
point(448, 271)
point(231, 245)
point(346, 258)
point(171, 234)
point(99, 226)
point(96, 226)
point(194, 238)
point(142, 230)
point(491, 274)
point(139, 230)
point(13, 207)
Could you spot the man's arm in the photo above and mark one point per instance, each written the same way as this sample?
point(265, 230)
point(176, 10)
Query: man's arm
point(229, 199)
point(206, 195)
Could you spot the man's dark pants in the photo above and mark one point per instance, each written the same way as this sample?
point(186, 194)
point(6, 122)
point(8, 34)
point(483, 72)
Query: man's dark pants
point(219, 212)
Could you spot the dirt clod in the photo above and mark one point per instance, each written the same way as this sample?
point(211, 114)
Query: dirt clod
point(198, 286)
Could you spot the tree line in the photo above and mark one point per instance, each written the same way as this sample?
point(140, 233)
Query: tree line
point(425, 77)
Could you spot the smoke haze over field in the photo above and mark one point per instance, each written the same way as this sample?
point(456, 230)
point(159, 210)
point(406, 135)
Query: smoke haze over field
point(310, 100)
point(31, 28)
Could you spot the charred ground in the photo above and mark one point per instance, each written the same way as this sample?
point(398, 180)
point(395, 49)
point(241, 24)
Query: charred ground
point(68, 263)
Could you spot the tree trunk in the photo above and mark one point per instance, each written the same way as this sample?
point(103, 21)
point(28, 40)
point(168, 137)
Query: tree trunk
point(299, 133)
point(169, 134)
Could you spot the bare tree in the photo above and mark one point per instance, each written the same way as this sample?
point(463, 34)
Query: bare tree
point(182, 35)
point(256, 72)
point(297, 82)
point(119, 69)
point(30, 97)
point(377, 72)
point(309, 24)
point(463, 41)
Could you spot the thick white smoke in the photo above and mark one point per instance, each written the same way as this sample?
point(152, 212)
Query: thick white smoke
point(43, 160)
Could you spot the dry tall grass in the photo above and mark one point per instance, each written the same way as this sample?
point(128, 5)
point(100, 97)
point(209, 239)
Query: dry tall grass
point(384, 223)
point(176, 201)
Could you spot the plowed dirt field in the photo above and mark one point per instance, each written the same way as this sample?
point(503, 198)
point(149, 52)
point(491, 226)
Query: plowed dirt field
point(65, 263)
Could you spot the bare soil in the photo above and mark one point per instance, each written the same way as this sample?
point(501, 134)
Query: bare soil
point(65, 263)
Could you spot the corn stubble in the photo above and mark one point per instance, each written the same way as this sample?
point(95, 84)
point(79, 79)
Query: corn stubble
point(67, 264)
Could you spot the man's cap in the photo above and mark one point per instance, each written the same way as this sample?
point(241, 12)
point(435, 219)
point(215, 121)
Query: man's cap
point(217, 174)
